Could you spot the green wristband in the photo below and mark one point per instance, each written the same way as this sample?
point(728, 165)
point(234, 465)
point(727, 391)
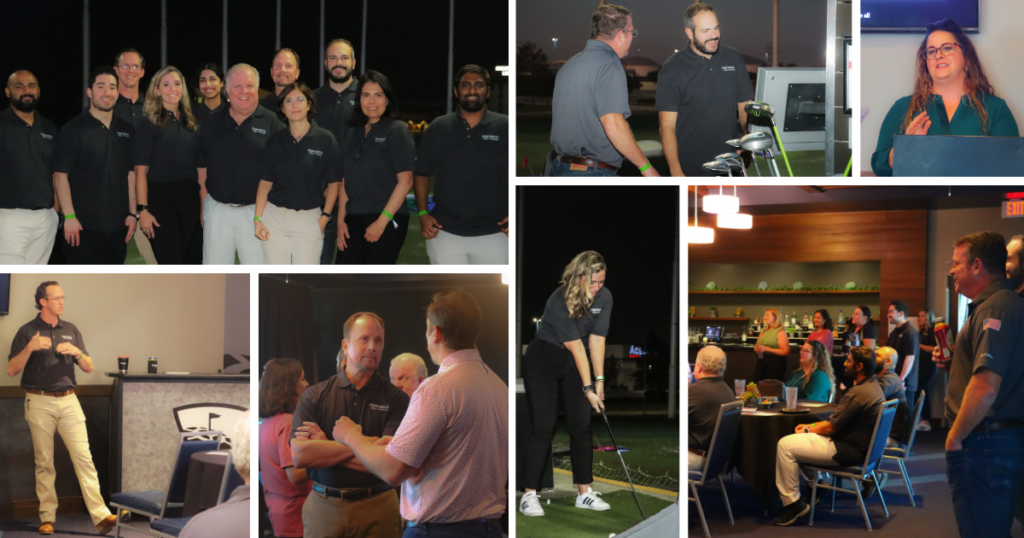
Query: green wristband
point(386, 214)
point(256, 218)
point(69, 216)
point(423, 212)
point(646, 166)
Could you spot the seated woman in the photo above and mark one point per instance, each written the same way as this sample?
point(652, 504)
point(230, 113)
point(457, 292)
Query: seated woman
point(948, 75)
point(814, 379)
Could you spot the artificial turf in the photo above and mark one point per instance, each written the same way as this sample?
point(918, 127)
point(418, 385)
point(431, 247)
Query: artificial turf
point(653, 443)
point(563, 520)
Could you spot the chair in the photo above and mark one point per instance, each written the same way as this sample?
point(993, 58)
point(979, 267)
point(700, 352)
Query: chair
point(771, 387)
point(171, 528)
point(901, 453)
point(157, 504)
point(717, 458)
point(859, 473)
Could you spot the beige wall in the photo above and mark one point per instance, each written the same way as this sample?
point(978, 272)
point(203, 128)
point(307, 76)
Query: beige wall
point(177, 318)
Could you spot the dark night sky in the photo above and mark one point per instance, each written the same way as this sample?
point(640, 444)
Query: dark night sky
point(406, 40)
point(746, 25)
point(634, 228)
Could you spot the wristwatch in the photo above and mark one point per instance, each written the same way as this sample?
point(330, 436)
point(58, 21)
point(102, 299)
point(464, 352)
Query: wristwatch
point(140, 208)
point(588, 388)
point(330, 218)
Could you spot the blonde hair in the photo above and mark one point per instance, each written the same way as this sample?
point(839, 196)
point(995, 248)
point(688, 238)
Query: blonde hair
point(774, 312)
point(240, 445)
point(154, 109)
point(577, 297)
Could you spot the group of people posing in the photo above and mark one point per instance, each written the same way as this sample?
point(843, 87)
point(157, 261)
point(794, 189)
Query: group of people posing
point(298, 177)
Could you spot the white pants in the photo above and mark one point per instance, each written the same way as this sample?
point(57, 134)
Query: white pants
point(295, 236)
point(27, 236)
point(227, 229)
point(793, 450)
point(450, 249)
point(694, 462)
point(45, 415)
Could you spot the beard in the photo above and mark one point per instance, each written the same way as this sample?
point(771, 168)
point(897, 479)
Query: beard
point(470, 106)
point(99, 105)
point(347, 76)
point(22, 106)
point(703, 46)
point(1017, 275)
point(850, 377)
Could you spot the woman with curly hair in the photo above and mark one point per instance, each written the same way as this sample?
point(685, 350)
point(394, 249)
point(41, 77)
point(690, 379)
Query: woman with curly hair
point(814, 379)
point(951, 96)
point(285, 486)
point(555, 368)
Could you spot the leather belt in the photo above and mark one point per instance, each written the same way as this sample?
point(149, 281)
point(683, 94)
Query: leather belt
point(996, 425)
point(55, 394)
point(586, 161)
point(697, 452)
point(351, 494)
point(427, 525)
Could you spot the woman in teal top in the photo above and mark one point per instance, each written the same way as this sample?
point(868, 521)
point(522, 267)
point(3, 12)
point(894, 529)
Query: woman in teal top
point(814, 380)
point(951, 96)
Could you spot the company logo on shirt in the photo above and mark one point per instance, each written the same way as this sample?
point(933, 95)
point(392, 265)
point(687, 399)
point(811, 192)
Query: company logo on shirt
point(380, 139)
point(378, 407)
point(595, 311)
point(46, 136)
point(315, 152)
point(66, 337)
point(728, 68)
point(493, 138)
point(353, 103)
point(123, 135)
point(257, 130)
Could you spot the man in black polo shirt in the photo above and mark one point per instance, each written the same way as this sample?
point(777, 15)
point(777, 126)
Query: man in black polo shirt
point(283, 71)
point(130, 67)
point(28, 211)
point(334, 103)
point(700, 89)
point(906, 341)
point(468, 149)
point(348, 500)
point(231, 145)
point(706, 396)
point(841, 440)
point(95, 178)
point(45, 351)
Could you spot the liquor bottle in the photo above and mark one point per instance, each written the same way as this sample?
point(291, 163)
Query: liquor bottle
point(807, 321)
point(841, 321)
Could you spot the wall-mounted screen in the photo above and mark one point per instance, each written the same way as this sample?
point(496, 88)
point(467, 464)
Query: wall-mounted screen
point(5, 294)
point(909, 16)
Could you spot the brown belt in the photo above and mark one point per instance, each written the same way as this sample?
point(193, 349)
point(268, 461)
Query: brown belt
point(56, 394)
point(586, 161)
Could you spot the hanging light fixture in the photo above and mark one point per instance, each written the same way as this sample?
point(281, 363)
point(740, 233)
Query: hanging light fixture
point(734, 221)
point(696, 234)
point(719, 203)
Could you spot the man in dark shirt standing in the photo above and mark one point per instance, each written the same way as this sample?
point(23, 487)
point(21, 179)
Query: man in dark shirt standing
point(95, 178)
point(130, 67)
point(283, 72)
point(706, 396)
point(700, 89)
point(841, 440)
point(348, 500)
point(334, 103)
point(45, 351)
point(28, 209)
point(468, 149)
point(906, 341)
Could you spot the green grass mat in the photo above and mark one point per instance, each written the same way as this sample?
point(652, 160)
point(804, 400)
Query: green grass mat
point(653, 443)
point(563, 520)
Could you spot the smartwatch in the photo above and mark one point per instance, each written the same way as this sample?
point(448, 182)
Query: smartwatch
point(588, 388)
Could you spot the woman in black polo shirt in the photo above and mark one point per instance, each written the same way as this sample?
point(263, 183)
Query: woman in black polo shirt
point(292, 208)
point(861, 331)
point(379, 157)
point(166, 181)
point(212, 96)
point(555, 368)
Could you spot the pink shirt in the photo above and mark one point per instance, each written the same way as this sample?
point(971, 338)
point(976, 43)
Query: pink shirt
point(284, 499)
point(456, 433)
point(824, 336)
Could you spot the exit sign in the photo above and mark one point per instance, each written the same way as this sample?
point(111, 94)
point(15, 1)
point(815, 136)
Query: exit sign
point(1013, 209)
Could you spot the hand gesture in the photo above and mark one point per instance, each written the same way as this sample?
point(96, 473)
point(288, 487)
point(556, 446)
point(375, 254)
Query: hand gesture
point(130, 222)
point(261, 231)
point(920, 125)
point(310, 431)
point(344, 428)
point(65, 348)
point(599, 388)
point(146, 222)
point(71, 230)
point(940, 363)
point(374, 232)
point(504, 226)
point(595, 401)
point(39, 342)
point(342, 233)
point(429, 226)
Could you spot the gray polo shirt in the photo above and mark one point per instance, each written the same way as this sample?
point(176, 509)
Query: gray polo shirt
point(892, 389)
point(991, 338)
point(227, 520)
point(590, 85)
point(706, 396)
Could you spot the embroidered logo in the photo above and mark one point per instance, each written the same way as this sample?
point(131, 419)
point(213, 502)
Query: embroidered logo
point(123, 135)
point(315, 152)
point(257, 130)
point(493, 138)
point(991, 323)
point(728, 68)
point(66, 337)
point(352, 103)
point(595, 310)
point(380, 139)
point(46, 136)
point(378, 407)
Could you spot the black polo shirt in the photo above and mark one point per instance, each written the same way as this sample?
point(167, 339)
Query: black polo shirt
point(270, 102)
point(170, 153)
point(867, 332)
point(706, 396)
point(97, 161)
point(853, 422)
point(334, 109)
point(232, 153)
point(556, 327)
point(471, 189)
point(705, 93)
point(201, 111)
point(46, 369)
point(26, 161)
point(372, 163)
point(130, 112)
point(892, 389)
point(299, 169)
point(378, 407)
point(906, 341)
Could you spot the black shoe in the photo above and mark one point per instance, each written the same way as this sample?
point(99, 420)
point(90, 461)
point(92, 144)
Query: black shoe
point(870, 487)
point(791, 513)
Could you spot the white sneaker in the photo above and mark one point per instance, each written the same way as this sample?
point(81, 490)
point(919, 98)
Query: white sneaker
point(924, 426)
point(590, 501)
point(529, 505)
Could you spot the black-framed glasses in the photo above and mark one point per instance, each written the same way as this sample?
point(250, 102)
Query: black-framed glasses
point(947, 49)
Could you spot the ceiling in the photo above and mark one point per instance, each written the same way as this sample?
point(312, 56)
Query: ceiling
point(330, 281)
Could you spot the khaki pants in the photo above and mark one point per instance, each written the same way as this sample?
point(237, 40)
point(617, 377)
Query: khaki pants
point(45, 415)
point(331, 517)
point(228, 229)
point(295, 236)
point(27, 236)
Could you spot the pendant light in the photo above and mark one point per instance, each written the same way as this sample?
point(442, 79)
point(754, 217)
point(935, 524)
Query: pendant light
point(719, 203)
point(696, 234)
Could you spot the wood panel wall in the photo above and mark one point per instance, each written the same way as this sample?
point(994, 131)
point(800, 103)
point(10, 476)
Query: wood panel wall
point(897, 239)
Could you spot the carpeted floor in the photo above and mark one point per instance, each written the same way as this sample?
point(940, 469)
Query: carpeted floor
point(66, 526)
point(933, 516)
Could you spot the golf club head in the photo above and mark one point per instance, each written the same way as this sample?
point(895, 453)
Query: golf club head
point(718, 166)
point(734, 161)
point(759, 108)
point(735, 142)
point(757, 141)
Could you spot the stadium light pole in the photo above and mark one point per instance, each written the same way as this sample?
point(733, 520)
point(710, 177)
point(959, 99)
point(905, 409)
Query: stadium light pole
point(451, 54)
point(321, 42)
point(85, 50)
point(224, 38)
point(277, 33)
point(673, 365)
point(555, 41)
point(163, 33)
point(362, 53)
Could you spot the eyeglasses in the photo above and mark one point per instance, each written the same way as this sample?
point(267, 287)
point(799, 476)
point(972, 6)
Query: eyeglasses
point(292, 100)
point(634, 32)
point(127, 67)
point(946, 49)
point(59, 299)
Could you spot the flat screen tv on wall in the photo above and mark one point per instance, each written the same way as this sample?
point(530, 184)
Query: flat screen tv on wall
point(912, 16)
point(5, 294)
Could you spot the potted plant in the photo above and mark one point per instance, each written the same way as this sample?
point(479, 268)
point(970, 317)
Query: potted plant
point(714, 312)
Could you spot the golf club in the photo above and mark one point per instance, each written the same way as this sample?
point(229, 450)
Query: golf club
point(771, 155)
point(732, 160)
point(755, 142)
point(718, 166)
point(735, 142)
point(624, 468)
point(764, 110)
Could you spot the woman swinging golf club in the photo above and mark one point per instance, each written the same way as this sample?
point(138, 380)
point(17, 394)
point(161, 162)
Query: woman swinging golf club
point(555, 368)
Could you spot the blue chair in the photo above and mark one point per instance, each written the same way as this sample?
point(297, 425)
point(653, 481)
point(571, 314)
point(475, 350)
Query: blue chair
point(158, 504)
point(171, 528)
point(859, 473)
point(717, 458)
point(901, 453)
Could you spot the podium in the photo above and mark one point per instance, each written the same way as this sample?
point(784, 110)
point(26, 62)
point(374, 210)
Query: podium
point(957, 156)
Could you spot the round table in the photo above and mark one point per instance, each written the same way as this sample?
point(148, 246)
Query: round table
point(757, 443)
point(205, 474)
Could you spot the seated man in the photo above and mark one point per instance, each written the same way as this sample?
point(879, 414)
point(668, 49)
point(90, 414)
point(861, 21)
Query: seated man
point(707, 394)
point(892, 389)
point(841, 440)
point(229, 519)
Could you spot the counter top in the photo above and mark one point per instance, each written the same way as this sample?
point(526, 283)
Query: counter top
point(180, 378)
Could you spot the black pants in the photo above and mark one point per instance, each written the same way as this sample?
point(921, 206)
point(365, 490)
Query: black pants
point(98, 248)
point(550, 376)
point(925, 375)
point(770, 367)
point(179, 238)
point(330, 239)
point(385, 251)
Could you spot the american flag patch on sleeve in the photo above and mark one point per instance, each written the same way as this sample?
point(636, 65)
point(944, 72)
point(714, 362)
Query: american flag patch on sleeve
point(991, 323)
